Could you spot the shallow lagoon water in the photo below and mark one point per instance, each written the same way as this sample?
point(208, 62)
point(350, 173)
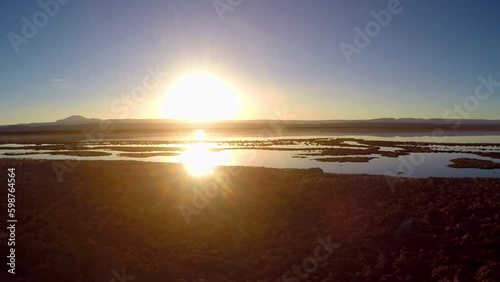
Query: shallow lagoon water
point(413, 165)
point(291, 154)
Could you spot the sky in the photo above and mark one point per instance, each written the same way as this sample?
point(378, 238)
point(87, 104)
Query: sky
point(282, 58)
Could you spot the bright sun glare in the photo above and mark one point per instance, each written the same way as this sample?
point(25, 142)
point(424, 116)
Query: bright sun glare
point(201, 158)
point(201, 97)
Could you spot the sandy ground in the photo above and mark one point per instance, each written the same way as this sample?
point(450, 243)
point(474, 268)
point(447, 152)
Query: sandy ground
point(136, 221)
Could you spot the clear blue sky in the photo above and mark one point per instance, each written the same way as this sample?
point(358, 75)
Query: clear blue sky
point(281, 56)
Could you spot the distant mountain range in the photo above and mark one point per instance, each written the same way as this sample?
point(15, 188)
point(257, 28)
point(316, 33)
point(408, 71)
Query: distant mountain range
point(77, 122)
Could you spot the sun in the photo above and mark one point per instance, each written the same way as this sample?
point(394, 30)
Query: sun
point(201, 97)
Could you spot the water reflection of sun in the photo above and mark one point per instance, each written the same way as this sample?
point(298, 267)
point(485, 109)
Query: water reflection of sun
point(202, 157)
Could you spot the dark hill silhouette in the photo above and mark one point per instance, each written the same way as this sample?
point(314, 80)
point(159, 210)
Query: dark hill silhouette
point(78, 122)
point(76, 119)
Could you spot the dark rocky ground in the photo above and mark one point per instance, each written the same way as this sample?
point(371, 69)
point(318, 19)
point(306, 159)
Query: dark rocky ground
point(474, 163)
point(248, 224)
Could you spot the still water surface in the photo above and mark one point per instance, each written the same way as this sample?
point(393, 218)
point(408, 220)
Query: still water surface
point(200, 153)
